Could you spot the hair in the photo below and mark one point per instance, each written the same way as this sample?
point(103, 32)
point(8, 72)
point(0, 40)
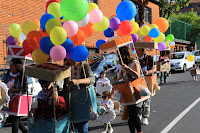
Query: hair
point(106, 93)
point(194, 65)
point(18, 64)
point(43, 82)
point(127, 55)
point(102, 72)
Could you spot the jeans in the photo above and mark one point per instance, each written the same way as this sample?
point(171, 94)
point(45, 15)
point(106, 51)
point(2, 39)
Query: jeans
point(17, 124)
point(134, 121)
point(163, 74)
point(81, 127)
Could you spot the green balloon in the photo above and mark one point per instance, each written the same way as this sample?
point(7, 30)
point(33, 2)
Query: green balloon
point(54, 9)
point(74, 9)
point(15, 30)
point(170, 37)
point(52, 23)
point(58, 35)
point(103, 25)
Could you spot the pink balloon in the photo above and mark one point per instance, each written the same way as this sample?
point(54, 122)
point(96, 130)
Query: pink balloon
point(106, 39)
point(58, 53)
point(71, 28)
point(95, 16)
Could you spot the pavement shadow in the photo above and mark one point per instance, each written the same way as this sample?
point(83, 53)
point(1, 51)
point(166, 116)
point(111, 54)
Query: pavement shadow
point(174, 83)
point(113, 125)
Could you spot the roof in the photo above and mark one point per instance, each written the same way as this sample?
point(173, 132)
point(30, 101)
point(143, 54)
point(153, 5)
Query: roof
point(195, 1)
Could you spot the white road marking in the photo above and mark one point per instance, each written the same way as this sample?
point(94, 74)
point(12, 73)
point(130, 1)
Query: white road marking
point(169, 127)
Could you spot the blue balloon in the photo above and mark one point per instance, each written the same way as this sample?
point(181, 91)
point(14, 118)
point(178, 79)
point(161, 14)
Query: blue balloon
point(44, 19)
point(133, 51)
point(126, 10)
point(109, 32)
point(79, 53)
point(99, 42)
point(68, 45)
point(46, 44)
point(154, 32)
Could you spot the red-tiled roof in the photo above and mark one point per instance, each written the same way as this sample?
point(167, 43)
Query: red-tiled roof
point(195, 1)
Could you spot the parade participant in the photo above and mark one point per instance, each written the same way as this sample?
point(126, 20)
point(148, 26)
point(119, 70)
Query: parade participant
point(193, 72)
point(130, 71)
point(13, 80)
point(163, 58)
point(147, 65)
point(81, 77)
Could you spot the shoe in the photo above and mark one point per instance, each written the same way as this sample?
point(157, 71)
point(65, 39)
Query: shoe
point(104, 132)
point(140, 117)
point(145, 121)
point(110, 130)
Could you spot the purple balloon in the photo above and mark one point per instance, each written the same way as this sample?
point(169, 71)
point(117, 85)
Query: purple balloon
point(68, 56)
point(162, 46)
point(134, 37)
point(46, 12)
point(11, 40)
point(114, 23)
point(62, 23)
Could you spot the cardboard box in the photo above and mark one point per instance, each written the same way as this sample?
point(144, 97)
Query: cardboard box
point(48, 71)
point(151, 83)
point(163, 67)
point(153, 45)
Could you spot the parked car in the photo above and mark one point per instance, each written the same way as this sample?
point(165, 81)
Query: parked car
point(197, 56)
point(179, 61)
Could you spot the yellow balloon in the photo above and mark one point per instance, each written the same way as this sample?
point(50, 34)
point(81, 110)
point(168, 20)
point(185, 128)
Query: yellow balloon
point(160, 38)
point(54, 9)
point(145, 30)
point(92, 6)
point(167, 42)
point(132, 20)
point(20, 43)
point(15, 29)
point(103, 25)
point(63, 20)
point(190, 58)
point(153, 26)
point(58, 35)
point(135, 27)
point(51, 24)
point(29, 26)
point(39, 57)
point(139, 32)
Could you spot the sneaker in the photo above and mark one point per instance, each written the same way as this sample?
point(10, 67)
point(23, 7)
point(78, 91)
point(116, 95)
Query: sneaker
point(140, 117)
point(145, 121)
point(104, 132)
point(110, 130)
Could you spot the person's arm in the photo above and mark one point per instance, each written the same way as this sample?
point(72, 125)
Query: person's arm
point(151, 65)
point(60, 104)
point(135, 72)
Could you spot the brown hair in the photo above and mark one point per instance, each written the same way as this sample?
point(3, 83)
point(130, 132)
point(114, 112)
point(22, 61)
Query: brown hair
point(127, 55)
point(106, 93)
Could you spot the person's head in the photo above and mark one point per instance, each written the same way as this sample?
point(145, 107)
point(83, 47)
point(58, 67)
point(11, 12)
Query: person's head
point(45, 84)
point(140, 52)
point(16, 65)
point(126, 54)
point(102, 74)
point(106, 95)
point(72, 63)
point(162, 53)
point(194, 65)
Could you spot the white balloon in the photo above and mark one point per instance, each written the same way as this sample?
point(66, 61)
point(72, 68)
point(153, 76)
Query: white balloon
point(172, 43)
point(84, 21)
point(22, 37)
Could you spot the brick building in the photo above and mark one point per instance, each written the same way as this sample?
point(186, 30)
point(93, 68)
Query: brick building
point(20, 11)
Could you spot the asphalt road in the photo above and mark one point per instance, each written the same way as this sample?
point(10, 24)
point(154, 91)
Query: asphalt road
point(169, 109)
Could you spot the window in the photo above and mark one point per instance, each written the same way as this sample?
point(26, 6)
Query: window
point(92, 1)
point(147, 12)
point(137, 16)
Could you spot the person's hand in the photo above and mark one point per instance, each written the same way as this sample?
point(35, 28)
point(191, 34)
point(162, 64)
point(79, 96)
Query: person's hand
point(75, 82)
point(146, 72)
point(125, 66)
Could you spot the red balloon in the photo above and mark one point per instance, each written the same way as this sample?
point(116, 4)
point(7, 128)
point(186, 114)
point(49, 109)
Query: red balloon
point(148, 39)
point(33, 39)
point(79, 38)
point(49, 2)
point(44, 33)
point(89, 29)
point(26, 47)
point(119, 33)
point(125, 27)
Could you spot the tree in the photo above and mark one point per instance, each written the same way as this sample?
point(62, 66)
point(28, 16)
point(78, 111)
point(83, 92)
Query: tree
point(168, 6)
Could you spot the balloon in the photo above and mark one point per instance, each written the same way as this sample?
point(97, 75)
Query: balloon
point(95, 16)
point(109, 32)
point(54, 9)
point(68, 45)
point(125, 27)
point(71, 28)
point(153, 26)
point(39, 57)
point(74, 9)
point(114, 23)
point(46, 44)
point(134, 37)
point(167, 42)
point(29, 26)
point(44, 33)
point(89, 29)
point(58, 35)
point(79, 38)
point(58, 53)
point(139, 32)
point(190, 58)
point(15, 29)
point(26, 47)
point(92, 6)
point(37, 22)
point(132, 20)
point(145, 30)
point(170, 37)
point(172, 43)
point(148, 39)
point(160, 38)
point(52, 23)
point(11, 40)
point(133, 51)
point(103, 25)
point(44, 19)
point(142, 25)
point(99, 42)
point(162, 46)
point(135, 27)
point(172, 46)
point(22, 37)
point(154, 32)
point(119, 33)
point(68, 56)
point(33, 39)
point(19, 42)
point(126, 10)
point(49, 2)
point(63, 20)
point(79, 53)
point(84, 21)
point(162, 24)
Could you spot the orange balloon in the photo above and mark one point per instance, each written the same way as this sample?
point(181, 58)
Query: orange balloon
point(89, 29)
point(162, 24)
point(37, 22)
point(172, 46)
point(119, 33)
point(44, 33)
point(148, 39)
point(79, 38)
point(33, 39)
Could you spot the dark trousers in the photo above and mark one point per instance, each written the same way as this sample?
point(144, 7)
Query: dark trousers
point(134, 121)
point(17, 124)
point(81, 127)
point(163, 74)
